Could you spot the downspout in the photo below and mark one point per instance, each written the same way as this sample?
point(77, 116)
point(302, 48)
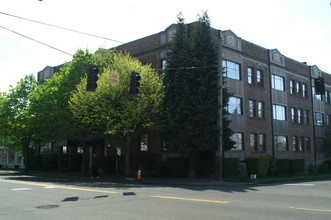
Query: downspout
point(271, 107)
point(312, 114)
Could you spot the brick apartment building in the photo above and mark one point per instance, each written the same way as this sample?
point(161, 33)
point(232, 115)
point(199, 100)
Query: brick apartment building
point(274, 109)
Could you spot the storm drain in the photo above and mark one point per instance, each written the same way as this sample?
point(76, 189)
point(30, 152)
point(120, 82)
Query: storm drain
point(47, 206)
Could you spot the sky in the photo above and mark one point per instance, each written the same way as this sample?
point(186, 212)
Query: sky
point(299, 29)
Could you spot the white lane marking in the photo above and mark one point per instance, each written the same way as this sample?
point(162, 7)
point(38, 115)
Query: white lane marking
point(299, 184)
point(21, 189)
point(49, 187)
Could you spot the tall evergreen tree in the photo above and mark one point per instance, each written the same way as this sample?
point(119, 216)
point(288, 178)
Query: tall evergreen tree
point(192, 91)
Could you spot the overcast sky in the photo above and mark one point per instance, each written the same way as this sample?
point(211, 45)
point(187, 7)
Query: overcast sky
point(299, 29)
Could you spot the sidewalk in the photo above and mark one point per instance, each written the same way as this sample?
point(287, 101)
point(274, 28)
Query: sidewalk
point(77, 177)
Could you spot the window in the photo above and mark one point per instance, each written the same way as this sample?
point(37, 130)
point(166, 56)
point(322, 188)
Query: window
point(307, 144)
point(299, 116)
point(232, 70)
point(237, 138)
point(250, 75)
point(144, 142)
point(301, 144)
point(164, 64)
point(280, 143)
point(262, 142)
point(295, 143)
point(293, 115)
point(306, 117)
point(234, 106)
point(256, 109)
point(254, 77)
point(253, 142)
point(277, 82)
point(292, 87)
point(259, 77)
point(317, 97)
point(304, 90)
point(328, 119)
point(298, 88)
point(279, 112)
point(260, 109)
point(319, 119)
point(252, 108)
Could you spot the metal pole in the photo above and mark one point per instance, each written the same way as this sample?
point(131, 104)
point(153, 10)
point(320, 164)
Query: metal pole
point(219, 153)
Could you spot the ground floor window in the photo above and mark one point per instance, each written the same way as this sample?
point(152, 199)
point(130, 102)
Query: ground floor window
point(238, 139)
point(280, 143)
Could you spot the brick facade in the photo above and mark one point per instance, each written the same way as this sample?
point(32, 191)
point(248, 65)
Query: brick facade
point(271, 63)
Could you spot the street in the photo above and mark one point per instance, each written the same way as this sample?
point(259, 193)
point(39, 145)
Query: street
point(29, 197)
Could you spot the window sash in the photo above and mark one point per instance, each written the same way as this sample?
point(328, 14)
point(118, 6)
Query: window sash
point(237, 138)
point(235, 106)
point(232, 70)
point(279, 112)
point(253, 142)
point(280, 143)
point(278, 82)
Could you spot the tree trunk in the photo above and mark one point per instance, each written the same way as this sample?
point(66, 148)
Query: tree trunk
point(127, 154)
point(83, 167)
point(26, 157)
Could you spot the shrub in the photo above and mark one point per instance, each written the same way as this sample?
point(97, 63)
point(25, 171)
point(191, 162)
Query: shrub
point(325, 167)
point(272, 169)
point(109, 164)
point(283, 166)
point(50, 161)
point(297, 166)
point(258, 166)
point(230, 167)
point(205, 166)
point(312, 168)
point(174, 167)
point(35, 162)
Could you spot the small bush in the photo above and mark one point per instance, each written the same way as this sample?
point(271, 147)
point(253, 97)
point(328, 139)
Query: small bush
point(230, 167)
point(174, 167)
point(312, 168)
point(50, 161)
point(258, 166)
point(283, 166)
point(205, 166)
point(109, 164)
point(35, 162)
point(272, 169)
point(325, 167)
point(297, 166)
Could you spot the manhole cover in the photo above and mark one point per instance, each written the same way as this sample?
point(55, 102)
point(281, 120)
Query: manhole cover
point(47, 206)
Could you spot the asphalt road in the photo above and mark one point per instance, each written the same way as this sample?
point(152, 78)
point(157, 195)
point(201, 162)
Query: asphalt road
point(25, 197)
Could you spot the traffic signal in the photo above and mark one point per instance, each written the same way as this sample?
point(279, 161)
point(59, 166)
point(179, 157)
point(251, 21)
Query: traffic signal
point(134, 84)
point(92, 78)
point(319, 86)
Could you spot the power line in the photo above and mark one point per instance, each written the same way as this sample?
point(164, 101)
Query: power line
point(36, 41)
point(67, 29)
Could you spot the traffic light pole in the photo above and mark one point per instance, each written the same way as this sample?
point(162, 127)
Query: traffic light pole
point(219, 152)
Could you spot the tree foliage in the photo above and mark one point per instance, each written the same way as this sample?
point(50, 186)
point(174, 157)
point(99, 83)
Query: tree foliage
point(110, 108)
point(192, 89)
point(49, 103)
point(15, 118)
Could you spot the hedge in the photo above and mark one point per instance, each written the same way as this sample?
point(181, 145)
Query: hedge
point(283, 166)
point(297, 166)
point(258, 166)
point(230, 167)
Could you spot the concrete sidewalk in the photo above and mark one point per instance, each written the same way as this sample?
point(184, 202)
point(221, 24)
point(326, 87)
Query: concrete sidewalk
point(78, 177)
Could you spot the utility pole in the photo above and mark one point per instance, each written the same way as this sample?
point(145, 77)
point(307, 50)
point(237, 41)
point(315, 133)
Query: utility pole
point(219, 152)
